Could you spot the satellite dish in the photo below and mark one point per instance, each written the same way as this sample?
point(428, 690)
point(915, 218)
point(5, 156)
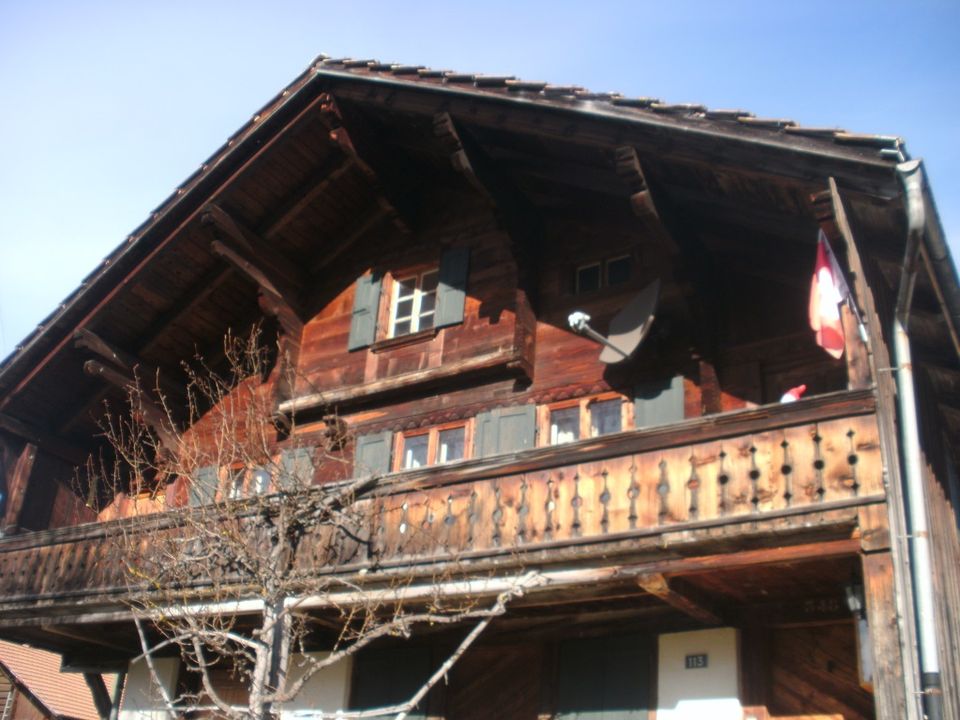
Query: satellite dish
point(628, 327)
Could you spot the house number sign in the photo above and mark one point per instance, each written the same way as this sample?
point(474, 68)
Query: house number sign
point(695, 662)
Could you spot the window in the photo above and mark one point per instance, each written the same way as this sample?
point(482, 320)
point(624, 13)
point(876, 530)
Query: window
point(414, 303)
point(606, 273)
point(409, 300)
point(436, 446)
point(587, 417)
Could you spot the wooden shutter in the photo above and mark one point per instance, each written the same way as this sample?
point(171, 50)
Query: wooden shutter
point(389, 676)
point(452, 286)
point(658, 403)
point(203, 485)
point(366, 304)
point(372, 456)
point(296, 468)
point(505, 430)
point(604, 678)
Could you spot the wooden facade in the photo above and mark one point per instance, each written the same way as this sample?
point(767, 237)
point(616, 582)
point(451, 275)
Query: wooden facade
point(414, 243)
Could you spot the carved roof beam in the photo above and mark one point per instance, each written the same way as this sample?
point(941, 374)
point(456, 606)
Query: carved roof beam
point(151, 377)
point(153, 415)
point(359, 143)
point(686, 600)
point(518, 216)
point(629, 170)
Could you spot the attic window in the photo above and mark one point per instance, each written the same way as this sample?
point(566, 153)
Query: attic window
point(414, 303)
point(606, 273)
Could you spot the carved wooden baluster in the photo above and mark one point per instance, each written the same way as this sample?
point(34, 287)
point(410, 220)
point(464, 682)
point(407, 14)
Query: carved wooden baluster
point(549, 507)
point(575, 503)
point(818, 465)
point(523, 509)
point(633, 492)
point(852, 460)
point(497, 516)
point(404, 527)
point(754, 475)
point(471, 519)
point(427, 539)
point(605, 502)
point(723, 480)
point(693, 485)
point(449, 523)
point(786, 469)
point(663, 490)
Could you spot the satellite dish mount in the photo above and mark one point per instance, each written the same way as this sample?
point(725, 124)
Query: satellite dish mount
point(628, 327)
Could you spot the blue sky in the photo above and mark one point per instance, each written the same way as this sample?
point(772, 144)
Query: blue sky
point(107, 106)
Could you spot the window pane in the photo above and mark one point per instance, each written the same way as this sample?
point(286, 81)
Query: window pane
point(406, 287)
point(618, 271)
point(401, 328)
point(404, 308)
point(588, 278)
point(429, 281)
point(451, 445)
point(415, 451)
point(427, 303)
point(426, 322)
point(260, 482)
point(564, 425)
point(605, 417)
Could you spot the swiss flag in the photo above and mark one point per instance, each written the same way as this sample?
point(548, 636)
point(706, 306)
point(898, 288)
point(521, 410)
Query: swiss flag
point(827, 290)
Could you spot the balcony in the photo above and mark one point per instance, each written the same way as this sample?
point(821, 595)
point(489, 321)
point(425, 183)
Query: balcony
point(802, 468)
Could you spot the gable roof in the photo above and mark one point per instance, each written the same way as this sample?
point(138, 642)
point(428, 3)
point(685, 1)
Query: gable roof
point(64, 695)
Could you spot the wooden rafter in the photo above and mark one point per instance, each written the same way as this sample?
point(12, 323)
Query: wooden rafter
point(685, 601)
point(153, 415)
point(125, 361)
point(54, 445)
point(324, 176)
point(365, 224)
point(360, 145)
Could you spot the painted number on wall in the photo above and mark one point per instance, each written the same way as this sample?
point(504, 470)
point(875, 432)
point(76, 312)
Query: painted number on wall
point(694, 662)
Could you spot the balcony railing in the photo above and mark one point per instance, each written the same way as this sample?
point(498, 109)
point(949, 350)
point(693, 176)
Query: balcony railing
point(788, 467)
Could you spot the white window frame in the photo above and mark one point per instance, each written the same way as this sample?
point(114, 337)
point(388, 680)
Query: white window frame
point(416, 316)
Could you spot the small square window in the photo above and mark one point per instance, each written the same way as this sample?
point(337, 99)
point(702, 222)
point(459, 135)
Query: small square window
point(451, 445)
point(606, 417)
point(588, 278)
point(564, 425)
point(618, 270)
point(415, 451)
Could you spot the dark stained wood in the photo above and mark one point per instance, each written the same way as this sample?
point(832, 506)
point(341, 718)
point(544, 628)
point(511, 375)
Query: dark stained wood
point(50, 443)
point(101, 698)
point(153, 415)
point(686, 601)
point(878, 585)
point(312, 188)
point(17, 481)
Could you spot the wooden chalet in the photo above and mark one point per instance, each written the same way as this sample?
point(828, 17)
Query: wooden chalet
point(417, 240)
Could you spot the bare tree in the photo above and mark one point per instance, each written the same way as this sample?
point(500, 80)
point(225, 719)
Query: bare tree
point(248, 552)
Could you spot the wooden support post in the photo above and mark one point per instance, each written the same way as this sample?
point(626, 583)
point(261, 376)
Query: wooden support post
point(882, 620)
point(101, 698)
point(18, 480)
point(686, 602)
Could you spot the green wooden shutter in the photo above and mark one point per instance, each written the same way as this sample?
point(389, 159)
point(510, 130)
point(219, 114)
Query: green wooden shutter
point(504, 430)
point(452, 287)
point(604, 678)
point(389, 677)
point(372, 455)
point(366, 305)
point(203, 485)
point(296, 468)
point(658, 403)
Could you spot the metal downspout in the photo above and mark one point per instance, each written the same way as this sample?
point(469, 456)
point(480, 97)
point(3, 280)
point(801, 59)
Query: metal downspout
point(911, 175)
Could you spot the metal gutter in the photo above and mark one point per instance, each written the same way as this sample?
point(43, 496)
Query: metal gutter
point(911, 174)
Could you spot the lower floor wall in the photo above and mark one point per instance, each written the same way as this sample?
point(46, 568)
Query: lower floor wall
point(788, 673)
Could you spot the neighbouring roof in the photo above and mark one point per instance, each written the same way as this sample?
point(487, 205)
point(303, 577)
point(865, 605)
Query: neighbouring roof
point(690, 119)
point(64, 695)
